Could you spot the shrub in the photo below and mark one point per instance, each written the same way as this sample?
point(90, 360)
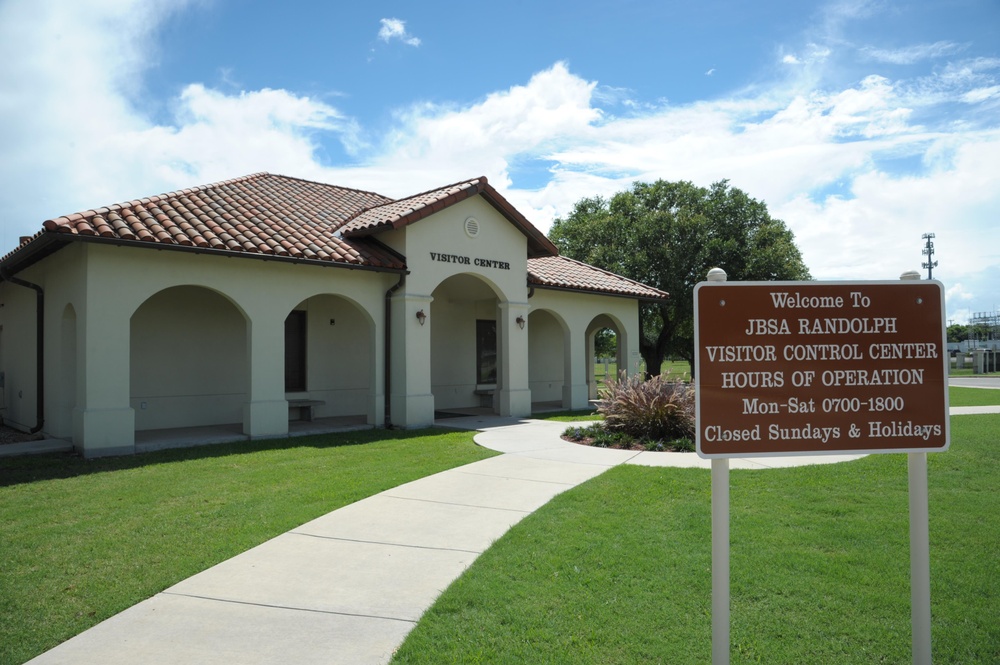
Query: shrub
point(596, 435)
point(657, 410)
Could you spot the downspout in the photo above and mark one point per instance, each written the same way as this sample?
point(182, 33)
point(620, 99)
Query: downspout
point(388, 349)
point(39, 350)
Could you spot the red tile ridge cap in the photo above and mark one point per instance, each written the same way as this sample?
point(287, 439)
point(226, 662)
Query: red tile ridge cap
point(419, 210)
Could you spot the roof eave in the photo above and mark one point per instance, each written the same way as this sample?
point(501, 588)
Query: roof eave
point(57, 240)
point(599, 292)
point(543, 246)
point(30, 253)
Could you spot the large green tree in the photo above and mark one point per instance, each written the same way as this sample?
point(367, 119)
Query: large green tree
point(668, 235)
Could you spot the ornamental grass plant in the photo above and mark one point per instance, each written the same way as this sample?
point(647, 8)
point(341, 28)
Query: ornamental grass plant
point(658, 409)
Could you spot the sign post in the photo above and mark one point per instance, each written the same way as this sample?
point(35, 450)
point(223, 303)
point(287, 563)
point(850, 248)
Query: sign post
point(813, 368)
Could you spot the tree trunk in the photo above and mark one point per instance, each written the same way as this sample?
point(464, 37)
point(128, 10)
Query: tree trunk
point(654, 352)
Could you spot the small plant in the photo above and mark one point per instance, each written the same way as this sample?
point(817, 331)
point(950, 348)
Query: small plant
point(597, 435)
point(659, 409)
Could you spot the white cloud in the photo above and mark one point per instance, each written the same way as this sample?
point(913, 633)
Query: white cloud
point(821, 157)
point(981, 94)
point(393, 28)
point(912, 54)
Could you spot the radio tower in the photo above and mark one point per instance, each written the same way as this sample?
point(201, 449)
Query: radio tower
point(929, 253)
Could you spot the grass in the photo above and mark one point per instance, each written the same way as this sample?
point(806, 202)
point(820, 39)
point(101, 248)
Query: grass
point(618, 570)
point(568, 416)
point(84, 540)
point(959, 396)
point(677, 368)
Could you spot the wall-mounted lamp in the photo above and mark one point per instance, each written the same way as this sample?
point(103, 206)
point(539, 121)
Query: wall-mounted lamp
point(421, 317)
point(520, 322)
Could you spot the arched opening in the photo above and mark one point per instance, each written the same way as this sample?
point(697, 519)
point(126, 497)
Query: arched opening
point(465, 353)
point(329, 364)
point(605, 356)
point(188, 363)
point(547, 361)
point(605, 337)
point(60, 420)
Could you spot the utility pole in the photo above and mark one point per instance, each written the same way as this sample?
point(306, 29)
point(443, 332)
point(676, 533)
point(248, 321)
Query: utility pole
point(929, 253)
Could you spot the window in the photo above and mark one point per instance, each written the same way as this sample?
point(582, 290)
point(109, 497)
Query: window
point(486, 351)
point(295, 352)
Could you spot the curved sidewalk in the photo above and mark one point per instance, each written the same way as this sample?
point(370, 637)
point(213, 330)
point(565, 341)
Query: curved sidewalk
point(348, 587)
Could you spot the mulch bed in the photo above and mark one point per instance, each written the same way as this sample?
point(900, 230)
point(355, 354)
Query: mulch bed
point(11, 435)
point(589, 441)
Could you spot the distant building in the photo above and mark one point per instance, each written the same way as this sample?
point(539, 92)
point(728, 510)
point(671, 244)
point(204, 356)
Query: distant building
point(240, 306)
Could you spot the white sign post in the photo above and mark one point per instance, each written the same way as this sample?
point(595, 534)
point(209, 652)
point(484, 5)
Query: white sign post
point(720, 544)
point(812, 368)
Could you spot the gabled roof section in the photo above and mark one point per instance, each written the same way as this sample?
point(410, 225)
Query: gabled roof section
point(565, 274)
point(397, 214)
point(260, 214)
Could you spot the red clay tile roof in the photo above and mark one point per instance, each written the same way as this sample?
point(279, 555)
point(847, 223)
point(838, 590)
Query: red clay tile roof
point(268, 215)
point(560, 272)
point(258, 214)
point(396, 214)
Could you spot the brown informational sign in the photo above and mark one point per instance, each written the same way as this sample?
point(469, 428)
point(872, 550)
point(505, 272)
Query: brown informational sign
point(820, 368)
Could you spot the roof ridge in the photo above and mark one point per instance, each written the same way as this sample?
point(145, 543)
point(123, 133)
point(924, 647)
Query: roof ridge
point(481, 178)
point(187, 191)
point(483, 182)
point(316, 182)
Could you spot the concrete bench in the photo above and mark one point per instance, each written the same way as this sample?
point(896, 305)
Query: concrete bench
point(485, 397)
point(305, 407)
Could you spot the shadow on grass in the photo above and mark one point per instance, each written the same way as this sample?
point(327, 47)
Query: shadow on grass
point(31, 468)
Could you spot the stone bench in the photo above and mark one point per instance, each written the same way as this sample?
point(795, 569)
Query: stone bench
point(305, 407)
point(485, 397)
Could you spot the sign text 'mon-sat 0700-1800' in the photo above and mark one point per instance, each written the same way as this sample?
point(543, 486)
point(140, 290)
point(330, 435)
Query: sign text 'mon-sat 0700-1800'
point(820, 367)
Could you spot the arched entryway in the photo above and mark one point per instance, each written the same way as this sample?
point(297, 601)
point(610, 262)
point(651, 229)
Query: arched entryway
point(466, 354)
point(188, 361)
point(547, 360)
point(613, 333)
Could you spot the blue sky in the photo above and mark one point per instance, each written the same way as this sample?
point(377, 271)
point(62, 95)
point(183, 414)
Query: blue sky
point(862, 124)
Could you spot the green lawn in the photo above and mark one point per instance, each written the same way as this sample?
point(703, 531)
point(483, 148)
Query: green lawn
point(568, 416)
point(959, 396)
point(618, 570)
point(678, 368)
point(83, 540)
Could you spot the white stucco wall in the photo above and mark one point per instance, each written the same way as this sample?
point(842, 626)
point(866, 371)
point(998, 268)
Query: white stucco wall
point(582, 315)
point(92, 291)
point(439, 367)
point(198, 338)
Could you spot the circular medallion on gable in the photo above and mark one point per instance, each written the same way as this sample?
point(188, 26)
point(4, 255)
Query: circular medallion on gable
point(472, 227)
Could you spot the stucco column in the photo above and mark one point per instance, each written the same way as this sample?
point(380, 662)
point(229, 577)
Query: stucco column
point(266, 412)
point(575, 389)
point(512, 372)
point(103, 420)
point(628, 356)
point(411, 402)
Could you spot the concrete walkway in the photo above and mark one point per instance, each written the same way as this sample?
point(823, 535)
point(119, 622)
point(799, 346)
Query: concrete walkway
point(348, 586)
